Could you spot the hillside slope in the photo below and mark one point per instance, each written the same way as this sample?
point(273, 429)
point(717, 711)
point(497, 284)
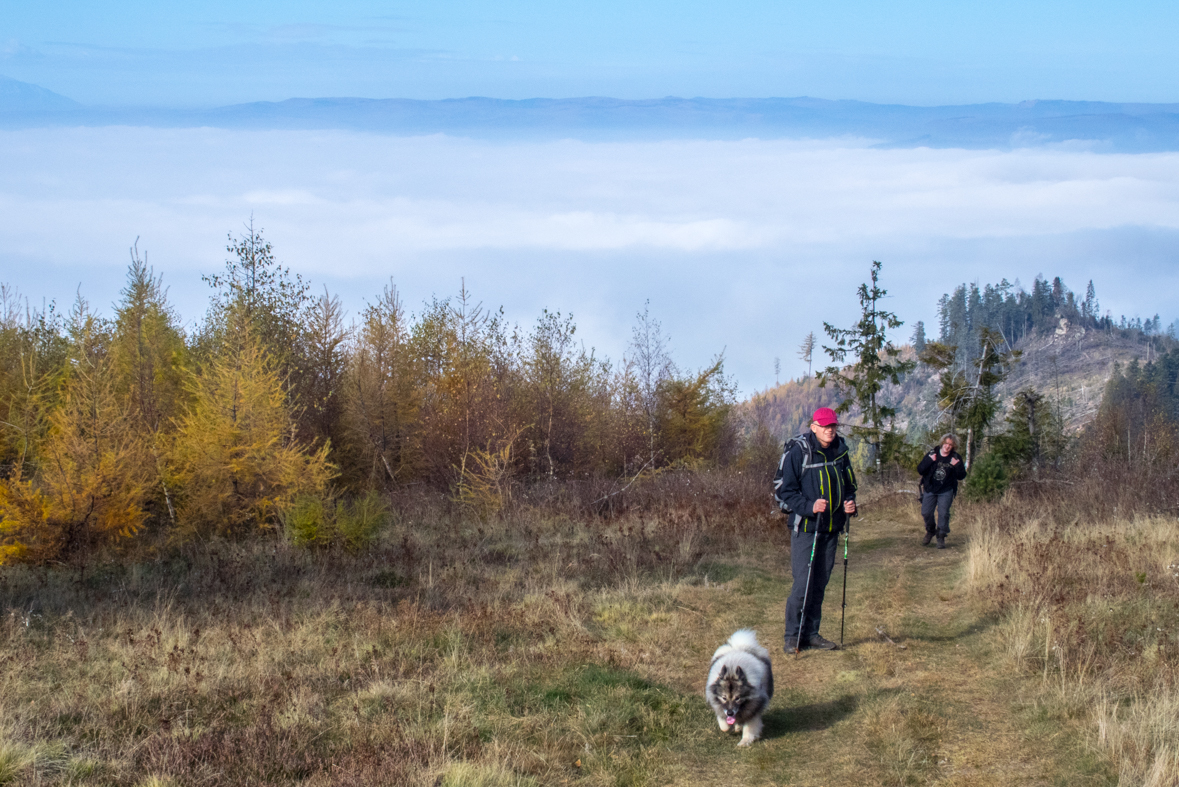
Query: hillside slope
point(1070, 366)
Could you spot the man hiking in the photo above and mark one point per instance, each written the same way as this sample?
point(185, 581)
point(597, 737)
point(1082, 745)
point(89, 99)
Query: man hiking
point(815, 484)
point(940, 470)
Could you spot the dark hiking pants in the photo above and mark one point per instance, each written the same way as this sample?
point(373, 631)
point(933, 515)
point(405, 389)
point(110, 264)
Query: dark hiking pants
point(940, 503)
point(800, 557)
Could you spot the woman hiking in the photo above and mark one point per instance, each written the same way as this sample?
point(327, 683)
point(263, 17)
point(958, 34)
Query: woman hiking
point(940, 470)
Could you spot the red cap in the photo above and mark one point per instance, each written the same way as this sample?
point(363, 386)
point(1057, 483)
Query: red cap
point(825, 416)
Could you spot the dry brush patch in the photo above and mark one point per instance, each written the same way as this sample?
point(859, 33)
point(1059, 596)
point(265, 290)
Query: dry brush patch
point(1092, 608)
point(525, 649)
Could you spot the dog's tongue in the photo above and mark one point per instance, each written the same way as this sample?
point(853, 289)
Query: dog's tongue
point(730, 719)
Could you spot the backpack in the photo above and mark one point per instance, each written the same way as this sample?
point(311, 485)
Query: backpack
point(807, 455)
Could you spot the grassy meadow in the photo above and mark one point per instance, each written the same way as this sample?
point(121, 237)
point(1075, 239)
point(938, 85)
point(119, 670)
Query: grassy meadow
point(559, 643)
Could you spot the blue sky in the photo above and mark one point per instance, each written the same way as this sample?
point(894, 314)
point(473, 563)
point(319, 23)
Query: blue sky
point(922, 52)
point(724, 238)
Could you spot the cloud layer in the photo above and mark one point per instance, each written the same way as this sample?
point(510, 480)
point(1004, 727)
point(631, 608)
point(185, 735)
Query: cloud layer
point(738, 245)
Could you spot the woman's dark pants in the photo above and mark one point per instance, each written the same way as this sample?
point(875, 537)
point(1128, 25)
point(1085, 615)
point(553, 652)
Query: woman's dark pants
point(941, 504)
point(800, 557)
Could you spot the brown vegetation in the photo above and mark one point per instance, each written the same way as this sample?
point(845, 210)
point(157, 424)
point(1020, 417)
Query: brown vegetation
point(127, 434)
point(450, 649)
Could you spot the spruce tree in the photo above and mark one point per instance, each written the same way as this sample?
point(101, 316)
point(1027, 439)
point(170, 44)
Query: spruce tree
point(876, 361)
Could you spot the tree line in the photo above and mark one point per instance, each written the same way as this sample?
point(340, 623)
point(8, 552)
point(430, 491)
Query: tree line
point(275, 412)
point(974, 353)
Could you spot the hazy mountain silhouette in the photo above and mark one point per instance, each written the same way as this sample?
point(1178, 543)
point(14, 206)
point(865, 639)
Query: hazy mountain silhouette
point(1102, 126)
point(22, 97)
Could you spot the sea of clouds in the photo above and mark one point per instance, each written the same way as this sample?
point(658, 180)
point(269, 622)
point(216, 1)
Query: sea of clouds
point(739, 246)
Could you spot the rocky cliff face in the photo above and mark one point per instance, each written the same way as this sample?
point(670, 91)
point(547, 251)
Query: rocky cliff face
point(1068, 365)
point(1071, 365)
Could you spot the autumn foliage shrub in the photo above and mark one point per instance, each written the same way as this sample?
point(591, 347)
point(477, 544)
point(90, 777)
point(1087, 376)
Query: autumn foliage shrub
point(235, 459)
point(311, 521)
point(93, 469)
point(274, 409)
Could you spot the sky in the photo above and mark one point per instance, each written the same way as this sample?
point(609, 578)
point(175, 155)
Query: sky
point(739, 247)
point(909, 51)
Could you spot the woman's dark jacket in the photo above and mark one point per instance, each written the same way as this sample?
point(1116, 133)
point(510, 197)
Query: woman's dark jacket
point(827, 475)
point(940, 475)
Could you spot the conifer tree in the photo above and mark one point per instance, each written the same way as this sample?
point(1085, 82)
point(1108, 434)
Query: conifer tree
point(326, 360)
point(34, 354)
point(383, 399)
point(236, 458)
point(453, 343)
point(806, 350)
point(967, 395)
point(694, 415)
point(147, 349)
point(255, 288)
point(559, 380)
point(876, 361)
point(918, 339)
point(94, 467)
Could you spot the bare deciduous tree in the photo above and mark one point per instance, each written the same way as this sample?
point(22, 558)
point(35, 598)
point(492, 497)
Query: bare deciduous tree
point(652, 366)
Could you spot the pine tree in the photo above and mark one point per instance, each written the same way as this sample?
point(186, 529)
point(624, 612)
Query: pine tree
point(1089, 307)
point(980, 402)
point(918, 339)
point(325, 337)
point(275, 305)
point(147, 348)
point(694, 414)
point(454, 343)
point(876, 361)
point(966, 396)
point(560, 380)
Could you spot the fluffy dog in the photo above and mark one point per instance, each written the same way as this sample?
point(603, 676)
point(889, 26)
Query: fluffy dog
point(740, 685)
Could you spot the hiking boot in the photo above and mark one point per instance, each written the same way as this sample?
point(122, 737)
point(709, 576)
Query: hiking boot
point(928, 537)
point(792, 645)
point(821, 643)
point(941, 541)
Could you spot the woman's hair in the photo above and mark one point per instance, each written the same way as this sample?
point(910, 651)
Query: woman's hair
point(953, 438)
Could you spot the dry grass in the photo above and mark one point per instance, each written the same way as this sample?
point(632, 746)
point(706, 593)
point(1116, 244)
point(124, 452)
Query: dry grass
point(564, 641)
point(1141, 733)
point(1092, 608)
point(520, 650)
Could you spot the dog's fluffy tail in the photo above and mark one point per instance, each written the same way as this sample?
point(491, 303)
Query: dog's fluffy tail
point(745, 639)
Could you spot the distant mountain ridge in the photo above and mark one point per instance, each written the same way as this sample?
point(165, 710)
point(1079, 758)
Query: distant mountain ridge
point(1122, 127)
point(22, 97)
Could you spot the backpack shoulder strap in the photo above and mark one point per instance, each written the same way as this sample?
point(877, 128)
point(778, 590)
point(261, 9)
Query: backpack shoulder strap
point(807, 453)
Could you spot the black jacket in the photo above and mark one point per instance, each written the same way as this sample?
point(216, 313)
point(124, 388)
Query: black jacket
point(828, 475)
point(939, 475)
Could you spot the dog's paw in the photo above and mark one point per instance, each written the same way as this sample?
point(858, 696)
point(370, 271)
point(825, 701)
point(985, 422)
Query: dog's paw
point(747, 741)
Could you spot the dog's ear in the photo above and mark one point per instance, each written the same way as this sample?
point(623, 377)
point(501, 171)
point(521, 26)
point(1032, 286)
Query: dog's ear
point(740, 674)
point(724, 673)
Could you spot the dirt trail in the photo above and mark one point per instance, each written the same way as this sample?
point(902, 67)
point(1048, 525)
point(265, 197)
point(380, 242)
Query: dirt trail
point(937, 705)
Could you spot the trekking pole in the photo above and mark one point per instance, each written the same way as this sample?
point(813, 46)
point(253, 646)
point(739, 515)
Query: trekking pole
point(806, 591)
point(843, 609)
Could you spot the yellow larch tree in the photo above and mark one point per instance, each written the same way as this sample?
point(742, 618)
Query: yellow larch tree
point(93, 470)
point(236, 459)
